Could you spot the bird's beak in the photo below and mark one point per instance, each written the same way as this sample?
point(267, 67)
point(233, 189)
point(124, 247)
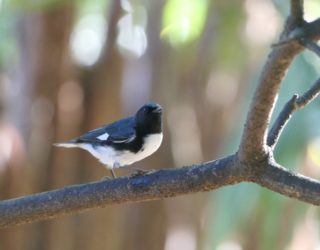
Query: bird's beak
point(157, 110)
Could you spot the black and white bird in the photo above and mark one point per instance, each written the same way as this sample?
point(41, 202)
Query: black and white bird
point(125, 141)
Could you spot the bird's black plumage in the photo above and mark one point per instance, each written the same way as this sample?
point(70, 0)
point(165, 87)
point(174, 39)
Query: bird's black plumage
point(119, 131)
point(124, 141)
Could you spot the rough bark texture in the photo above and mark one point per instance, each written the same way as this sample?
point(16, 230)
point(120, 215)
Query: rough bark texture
point(158, 185)
point(253, 144)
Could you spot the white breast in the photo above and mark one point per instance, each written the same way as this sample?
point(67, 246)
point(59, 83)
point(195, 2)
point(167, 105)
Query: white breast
point(151, 144)
point(110, 157)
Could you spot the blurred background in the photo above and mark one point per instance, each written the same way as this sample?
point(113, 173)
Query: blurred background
point(67, 67)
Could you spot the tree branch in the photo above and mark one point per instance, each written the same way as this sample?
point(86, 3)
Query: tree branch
point(312, 30)
point(158, 185)
point(253, 143)
point(294, 104)
point(281, 121)
point(253, 146)
point(283, 181)
point(311, 45)
point(296, 10)
point(303, 33)
point(309, 96)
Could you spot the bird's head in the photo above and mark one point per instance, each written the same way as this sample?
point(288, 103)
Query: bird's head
point(149, 118)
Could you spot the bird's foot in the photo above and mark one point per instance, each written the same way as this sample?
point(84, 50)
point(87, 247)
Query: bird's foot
point(141, 172)
point(105, 178)
point(108, 177)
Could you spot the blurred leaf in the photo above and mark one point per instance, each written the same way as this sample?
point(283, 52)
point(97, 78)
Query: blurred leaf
point(311, 9)
point(230, 50)
point(34, 4)
point(8, 43)
point(313, 151)
point(231, 208)
point(86, 7)
point(183, 20)
point(269, 211)
point(132, 38)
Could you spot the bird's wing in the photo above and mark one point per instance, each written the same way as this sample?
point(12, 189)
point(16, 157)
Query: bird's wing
point(121, 131)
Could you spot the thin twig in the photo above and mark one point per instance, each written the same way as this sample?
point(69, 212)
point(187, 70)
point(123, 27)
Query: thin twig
point(311, 45)
point(312, 30)
point(281, 121)
point(309, 95)
point(283, 42)
point(296, 9)
point(295, 103)
point(294, 20)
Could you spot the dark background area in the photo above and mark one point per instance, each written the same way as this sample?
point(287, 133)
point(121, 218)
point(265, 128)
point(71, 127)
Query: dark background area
point(67, 67)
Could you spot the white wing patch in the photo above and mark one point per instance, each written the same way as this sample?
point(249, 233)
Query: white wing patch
point(66, 145)
point(127, 140)
point(103, 137)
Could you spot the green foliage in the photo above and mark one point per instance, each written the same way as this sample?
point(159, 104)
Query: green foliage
point(34, 5)
point(232, 208)
point(86, 7)
point(231, 17)
point(312, 9)
point(183, 20)
point(8, 44)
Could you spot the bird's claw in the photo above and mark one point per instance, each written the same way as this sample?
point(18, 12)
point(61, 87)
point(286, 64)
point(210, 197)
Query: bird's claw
point(141, 172)
point(105, 178)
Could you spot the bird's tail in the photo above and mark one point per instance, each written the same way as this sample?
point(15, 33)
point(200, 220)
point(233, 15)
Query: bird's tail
point(67, 144)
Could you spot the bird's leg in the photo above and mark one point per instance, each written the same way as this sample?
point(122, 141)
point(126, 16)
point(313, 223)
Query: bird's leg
point(107, 177)
point(115, 165)
point(113, 174)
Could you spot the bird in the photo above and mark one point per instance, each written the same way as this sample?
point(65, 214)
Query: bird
point(125, 141)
